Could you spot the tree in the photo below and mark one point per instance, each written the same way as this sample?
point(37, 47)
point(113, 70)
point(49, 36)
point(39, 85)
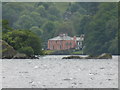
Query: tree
point(48, 28)
point(46, 5)
point(101, 31)
point(22, 39)
point(114, 46)
point(5, 26)
point(98, 21)
point(65, 27)
point(74, 7)
point(91, 8)
point(54, 11)
point(38, 31)
point(24, 22)
point(42, 11)
point(11, 11)
point(27, 50)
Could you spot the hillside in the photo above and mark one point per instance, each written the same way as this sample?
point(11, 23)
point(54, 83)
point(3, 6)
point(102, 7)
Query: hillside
point(98, 21)
point(62, 6)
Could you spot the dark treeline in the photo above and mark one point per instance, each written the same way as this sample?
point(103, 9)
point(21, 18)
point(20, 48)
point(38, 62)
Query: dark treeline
point(98, 21)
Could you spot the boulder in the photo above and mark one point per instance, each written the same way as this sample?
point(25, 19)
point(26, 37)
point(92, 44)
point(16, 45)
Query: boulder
point(91, 57)
point(20, 56)
point(7, 50)
point(102, 56)
point(105, 56)
point(73, 57)
point(24, 56)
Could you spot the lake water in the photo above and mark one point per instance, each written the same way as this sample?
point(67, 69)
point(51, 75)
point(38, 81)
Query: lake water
point(55, 72)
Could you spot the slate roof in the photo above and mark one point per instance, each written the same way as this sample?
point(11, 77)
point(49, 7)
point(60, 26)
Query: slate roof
point(66, 37)
point(62, 38)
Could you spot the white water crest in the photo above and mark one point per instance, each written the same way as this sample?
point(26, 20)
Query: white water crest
point(54, 72)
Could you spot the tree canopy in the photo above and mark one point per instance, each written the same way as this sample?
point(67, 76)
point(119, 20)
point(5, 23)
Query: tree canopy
point(97, 20)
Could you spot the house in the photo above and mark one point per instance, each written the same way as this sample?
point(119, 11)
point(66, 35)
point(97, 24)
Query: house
point(63, 42)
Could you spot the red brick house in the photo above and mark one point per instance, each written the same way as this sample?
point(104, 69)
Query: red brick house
point(63, 42)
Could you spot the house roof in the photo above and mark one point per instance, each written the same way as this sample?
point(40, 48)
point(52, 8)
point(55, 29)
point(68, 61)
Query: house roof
point(66, 37)
point(79, 39)
point(62, 38)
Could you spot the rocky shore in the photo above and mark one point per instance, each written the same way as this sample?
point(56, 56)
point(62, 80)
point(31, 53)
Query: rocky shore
point(102, 56)
point(8, 52)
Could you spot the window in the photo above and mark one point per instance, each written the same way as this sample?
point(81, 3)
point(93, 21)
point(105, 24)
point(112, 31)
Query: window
point(53, 46)
point(70, 44)
point(60, 47)
point(67, 44)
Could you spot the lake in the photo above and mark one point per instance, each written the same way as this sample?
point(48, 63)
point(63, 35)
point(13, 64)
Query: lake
point(54, 72)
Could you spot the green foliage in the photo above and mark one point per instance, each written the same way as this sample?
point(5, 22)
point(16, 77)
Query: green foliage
point(65, 27)
point(74, 7)
point(61, 6)
point(98, 21)
point(24, 22)
point(54, 11)
point(102, 31)
point(26, 50)
point(38, 31)
point(119, 41)
point(48, 52)
point(20, 39)
point(48, 28)
point(77, 53)
point(5, 26)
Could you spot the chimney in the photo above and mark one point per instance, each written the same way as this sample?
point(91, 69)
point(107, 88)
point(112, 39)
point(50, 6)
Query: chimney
point(82, 36)
point(74, 38)
point(61, 35)
point(64, 34)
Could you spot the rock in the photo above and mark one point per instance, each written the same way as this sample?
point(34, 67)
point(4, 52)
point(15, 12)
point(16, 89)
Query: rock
point(102, 56)
point(20, 56)
point(24, 56)
point(33, 57)
point(90, 57)
point(7, 50)
point(73, 57)
point(105, 56)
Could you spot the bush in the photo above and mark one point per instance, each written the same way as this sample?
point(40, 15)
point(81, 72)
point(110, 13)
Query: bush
point(27, 50)
point(24, 41)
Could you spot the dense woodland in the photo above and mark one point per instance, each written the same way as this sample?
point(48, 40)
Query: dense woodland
point(28, 26)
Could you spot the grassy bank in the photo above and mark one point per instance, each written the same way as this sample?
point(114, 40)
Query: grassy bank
point(77, 52)
point(62, 52)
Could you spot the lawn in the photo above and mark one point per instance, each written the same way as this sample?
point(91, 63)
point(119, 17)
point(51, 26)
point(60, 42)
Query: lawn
point(77, 52)
point(48, 52)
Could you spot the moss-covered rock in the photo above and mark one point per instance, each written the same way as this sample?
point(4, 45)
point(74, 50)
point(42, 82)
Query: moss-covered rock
point(90, 57)
point(73, 57)
point(102, 56)
point(20, 56)
point(7, 50)
point(105, 56)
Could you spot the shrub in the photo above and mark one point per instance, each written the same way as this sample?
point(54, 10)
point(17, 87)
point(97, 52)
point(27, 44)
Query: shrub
point(27, 50)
